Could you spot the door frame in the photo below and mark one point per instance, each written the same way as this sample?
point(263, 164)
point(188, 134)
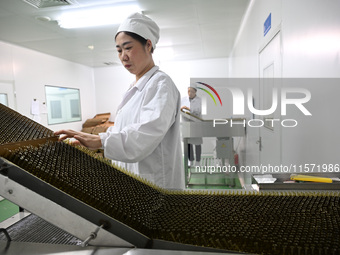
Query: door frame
point(270, 37)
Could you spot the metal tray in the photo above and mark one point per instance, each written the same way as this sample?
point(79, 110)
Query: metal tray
point(281, 178)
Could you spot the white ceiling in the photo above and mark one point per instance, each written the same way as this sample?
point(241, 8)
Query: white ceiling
point(190, 29)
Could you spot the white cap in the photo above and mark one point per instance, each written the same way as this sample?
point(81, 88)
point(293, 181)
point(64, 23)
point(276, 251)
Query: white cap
point(193, 85)
point(141, 25)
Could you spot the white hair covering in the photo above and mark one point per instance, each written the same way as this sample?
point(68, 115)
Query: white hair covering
point(141, 25)
point(193, 85)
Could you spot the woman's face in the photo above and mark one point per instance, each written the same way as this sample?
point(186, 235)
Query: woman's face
point(135, 57)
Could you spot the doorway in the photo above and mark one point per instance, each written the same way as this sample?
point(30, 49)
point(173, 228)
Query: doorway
point(270, 69)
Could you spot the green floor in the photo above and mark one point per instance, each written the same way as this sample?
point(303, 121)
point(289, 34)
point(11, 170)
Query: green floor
point(215, 180)
point(7, 209)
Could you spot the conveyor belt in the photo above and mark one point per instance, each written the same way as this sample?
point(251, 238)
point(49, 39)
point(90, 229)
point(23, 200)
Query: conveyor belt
point(148, 216)
point(17, 128)
point(33, 229)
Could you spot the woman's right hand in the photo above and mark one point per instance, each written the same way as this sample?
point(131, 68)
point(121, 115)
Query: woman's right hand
point(90, 141)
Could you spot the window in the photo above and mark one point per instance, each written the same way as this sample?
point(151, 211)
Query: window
point(63, 104)
point(3, 99)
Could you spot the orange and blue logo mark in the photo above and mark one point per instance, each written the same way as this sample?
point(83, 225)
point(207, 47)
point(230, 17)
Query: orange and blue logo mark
point(210, 94)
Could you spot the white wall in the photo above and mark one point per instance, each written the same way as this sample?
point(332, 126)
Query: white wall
point(311, 48)
point(244, 57)
point(30, 71)
point(111, 84)
point(311, 38)
point(182, 71)
point(310, 32)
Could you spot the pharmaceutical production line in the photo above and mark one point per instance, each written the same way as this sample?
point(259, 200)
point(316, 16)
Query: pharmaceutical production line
point(113, 212)
point(197, 127)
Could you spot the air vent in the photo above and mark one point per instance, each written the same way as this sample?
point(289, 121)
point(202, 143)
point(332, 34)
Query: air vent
point(48, 3)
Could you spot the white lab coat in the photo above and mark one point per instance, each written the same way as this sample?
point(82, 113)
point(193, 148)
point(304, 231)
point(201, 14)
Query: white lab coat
point(145, 138)
point(195, 106)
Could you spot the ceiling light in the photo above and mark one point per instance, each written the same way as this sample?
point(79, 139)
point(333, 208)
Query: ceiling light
point(96, 16)
point(43, 18)
point(111, 63)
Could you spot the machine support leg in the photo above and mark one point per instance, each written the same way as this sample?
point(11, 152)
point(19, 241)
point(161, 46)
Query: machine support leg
point(6, 234)
point(186, 162)
point(92, 236)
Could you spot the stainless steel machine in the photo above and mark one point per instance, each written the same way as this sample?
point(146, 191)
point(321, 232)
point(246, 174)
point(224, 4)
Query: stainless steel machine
point(197, 127)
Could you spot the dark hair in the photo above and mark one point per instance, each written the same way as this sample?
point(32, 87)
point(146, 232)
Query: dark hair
point(136, 37)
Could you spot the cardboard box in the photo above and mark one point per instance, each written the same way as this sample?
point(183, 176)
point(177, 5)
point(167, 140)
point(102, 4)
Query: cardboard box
point(99, 124)
point(107, 124)
point(103, 116)
point(92, 123)
point(97, 120)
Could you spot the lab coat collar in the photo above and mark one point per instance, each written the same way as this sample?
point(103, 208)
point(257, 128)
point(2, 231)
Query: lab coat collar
point(145, 78)
point(137, 86)
point(193, 99)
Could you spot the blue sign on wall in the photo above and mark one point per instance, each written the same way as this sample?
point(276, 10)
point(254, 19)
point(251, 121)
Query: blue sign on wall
point(267, 24)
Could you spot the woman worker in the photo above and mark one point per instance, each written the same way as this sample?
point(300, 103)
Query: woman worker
point(146, 136)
